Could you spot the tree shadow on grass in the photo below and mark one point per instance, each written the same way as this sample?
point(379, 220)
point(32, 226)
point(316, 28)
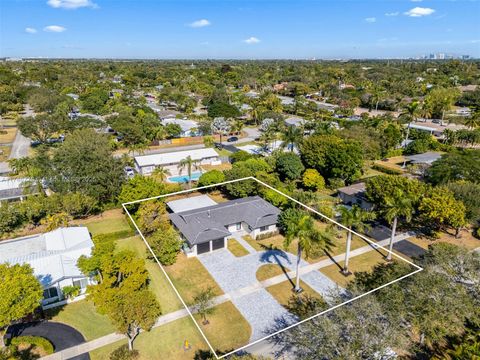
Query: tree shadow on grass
point(272, 256)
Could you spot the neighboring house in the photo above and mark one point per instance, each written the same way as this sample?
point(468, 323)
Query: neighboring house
point(355, 195)
point(427, 158)
point(145, 164)
point(53, 257)
point(294, 121)
point(463, 111)
point(188, 127)
point(435, 127)
point(286, 100)
point(12, 189)
point(205, 227)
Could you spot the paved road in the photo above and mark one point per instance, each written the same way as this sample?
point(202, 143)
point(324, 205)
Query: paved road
point(20, 146)
point(60, 335)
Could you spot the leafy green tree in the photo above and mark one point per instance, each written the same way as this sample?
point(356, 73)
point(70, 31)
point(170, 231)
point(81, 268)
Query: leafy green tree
point(203, 304)
point(298, 225)
point(85, 164)
point(20, 294)
point(43, 99)
point(211, 177)
point(220, 126)
point(41, 127)
point(10, 217)
point(222, 109)
point(313, 180)
point(333, 157)
point(439, 209)
point(152, 216)
point(459, 165)
point(242, 169)
point(160, 173)
point(468, 193)
point(141, 187)
point(439, 100)
point(356, 219)
point(78, 205)
point(166, 245)
point(289, 166)
point(56, 221)
point(94, 100)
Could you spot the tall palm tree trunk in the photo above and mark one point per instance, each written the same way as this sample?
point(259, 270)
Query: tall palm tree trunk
point(347, 253)
point(189, 175)
point(392, 238)
point(299, 258)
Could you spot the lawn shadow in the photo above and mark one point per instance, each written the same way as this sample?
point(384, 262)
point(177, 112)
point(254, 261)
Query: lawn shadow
point(277, 255)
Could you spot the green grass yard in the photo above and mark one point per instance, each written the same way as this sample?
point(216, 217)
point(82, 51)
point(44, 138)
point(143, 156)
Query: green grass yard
point(82, 316)
point(236, 248)
point(190, 277)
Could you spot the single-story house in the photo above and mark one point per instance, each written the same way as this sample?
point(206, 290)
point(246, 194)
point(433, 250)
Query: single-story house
point(53, 257)
point(294, 121)
point(12, 189)
point(435, 127)
point(188, 126)
point(286, 100)
point(145, 164)
point(205, 227)
point(355, 195)
point(427, 158)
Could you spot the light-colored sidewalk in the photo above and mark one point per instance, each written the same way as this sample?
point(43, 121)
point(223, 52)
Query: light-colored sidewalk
point(247, 290)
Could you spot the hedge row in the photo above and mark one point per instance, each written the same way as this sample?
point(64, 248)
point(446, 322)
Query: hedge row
point(122, 234)
point(35, 341)
point(386, 169)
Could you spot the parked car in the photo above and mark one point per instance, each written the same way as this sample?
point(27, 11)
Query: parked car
point(232, 139)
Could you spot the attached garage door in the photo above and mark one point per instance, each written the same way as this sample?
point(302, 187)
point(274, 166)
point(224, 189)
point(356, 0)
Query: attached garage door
point(203, 248)
point(218, 244)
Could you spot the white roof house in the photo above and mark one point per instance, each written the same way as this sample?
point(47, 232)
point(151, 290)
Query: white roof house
point(185, 124)
point(53, 257)
point(191, 203)
point(145, 164)
point(295, 121)
point(13, 188)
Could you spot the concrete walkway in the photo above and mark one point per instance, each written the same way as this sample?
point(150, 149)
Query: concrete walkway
point(241, 292)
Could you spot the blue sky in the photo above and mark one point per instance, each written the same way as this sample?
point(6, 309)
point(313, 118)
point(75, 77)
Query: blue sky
point(259, 29)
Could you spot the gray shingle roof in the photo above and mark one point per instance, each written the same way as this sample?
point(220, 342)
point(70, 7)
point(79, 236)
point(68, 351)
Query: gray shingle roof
point(209, 223)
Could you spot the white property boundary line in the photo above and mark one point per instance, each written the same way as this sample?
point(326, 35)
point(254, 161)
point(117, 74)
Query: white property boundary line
point(374, 245)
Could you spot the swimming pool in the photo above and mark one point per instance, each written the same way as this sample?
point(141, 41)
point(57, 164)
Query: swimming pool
point(184, 178)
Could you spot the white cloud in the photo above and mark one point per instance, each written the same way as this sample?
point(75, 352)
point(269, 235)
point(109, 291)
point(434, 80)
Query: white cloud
point(252, 40)
point(54, 28)
point(71, 4)
point(200, 23)
point(30, 30)
point(395, 13)
point(419, 11)
point(370, 19)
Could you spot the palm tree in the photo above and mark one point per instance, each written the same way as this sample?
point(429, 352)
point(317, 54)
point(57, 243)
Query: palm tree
point(353, 218)
point(397, 206)
point(160, 173)
point(301, 227)
point(411, 111)
point(473, 121)
point(189, 164)
point(292, 137)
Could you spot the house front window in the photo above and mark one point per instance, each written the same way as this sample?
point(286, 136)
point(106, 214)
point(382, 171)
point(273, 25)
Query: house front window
point(263, 228)
point(239, 226)
point(50, 293)
point(81, 283)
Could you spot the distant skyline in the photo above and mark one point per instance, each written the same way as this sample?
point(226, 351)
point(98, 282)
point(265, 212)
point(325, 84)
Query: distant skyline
point(231, 29)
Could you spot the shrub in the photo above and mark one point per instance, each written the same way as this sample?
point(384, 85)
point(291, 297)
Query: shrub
point(313, 180)
point(35, 341)
point(336, 183)
point(10, 218)
point(289, 166)
point(165, 244)
point(211, 177)
point(121, 234)
point(71, 292)
point(123, 353)
point(267, 235)
point(386, 169)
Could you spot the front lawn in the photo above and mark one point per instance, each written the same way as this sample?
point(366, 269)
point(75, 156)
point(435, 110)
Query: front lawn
point(236, 248)
point(227, 329)
point(190, 277)
point(82, 316)
point(283, 292)
point(158, 282)
point(363, 262)
point(111, 221)
point(467, 240)
point(268, 271)
point(164, 342)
